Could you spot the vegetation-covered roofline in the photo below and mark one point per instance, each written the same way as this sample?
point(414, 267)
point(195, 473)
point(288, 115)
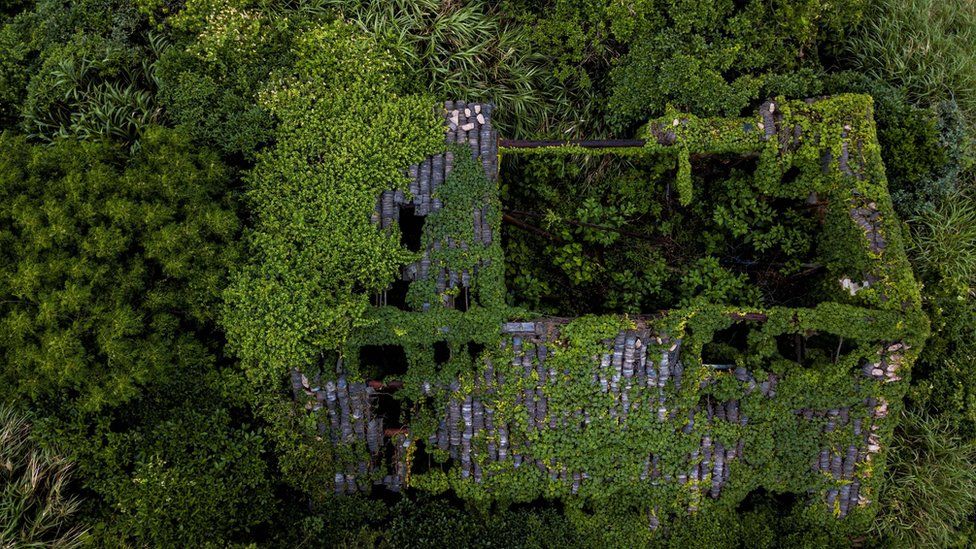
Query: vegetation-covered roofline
point(512, 407)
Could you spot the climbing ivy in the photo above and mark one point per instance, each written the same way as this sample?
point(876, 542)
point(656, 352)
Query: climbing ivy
point(830, 147)
point(344, 134)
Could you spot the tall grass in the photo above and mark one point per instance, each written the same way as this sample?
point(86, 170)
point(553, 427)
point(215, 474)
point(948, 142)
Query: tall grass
point(944, 240)
point(928, 46)
point(35, 508)
point(930, 488)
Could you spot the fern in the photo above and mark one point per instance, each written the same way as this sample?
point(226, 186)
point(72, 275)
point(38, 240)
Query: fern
point(101, 92)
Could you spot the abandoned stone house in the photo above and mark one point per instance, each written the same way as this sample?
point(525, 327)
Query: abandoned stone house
point(640, 370)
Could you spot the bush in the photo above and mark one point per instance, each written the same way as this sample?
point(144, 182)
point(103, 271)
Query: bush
point(92, 88)
point(112, 268)
point(184, 465)
point(209, 82)
point(36, 509)
point(951, 390)
point(84, 62)
point(189, 469)
point(930, 488)
point(14, 75)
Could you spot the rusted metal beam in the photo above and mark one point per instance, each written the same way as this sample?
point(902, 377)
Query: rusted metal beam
point(754, 317)
point(385, 385)
point(584, 143)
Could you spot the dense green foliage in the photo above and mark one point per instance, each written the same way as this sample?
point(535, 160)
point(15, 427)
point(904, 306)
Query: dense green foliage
point(210, 79)
point(343, 136)
point(109, 267)
point(717, 57)
point(185, 199)
point(113, 269)
point(617, 251)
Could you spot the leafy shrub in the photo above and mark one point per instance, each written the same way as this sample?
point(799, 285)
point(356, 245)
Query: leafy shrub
point(429, 525)
point(337, 521)
point(14, 74)
point(11, 8)
point(210, 80)
point(216, 109)
point(186, 472)
point(622, 245)
point(951, 389)
point(929, 46)
point(709, 281)
point(930, 489)
point(580, 49)
point(36, 509)
point(40, 44)
point(110, 266)
point(183, 465)
point(56, 22)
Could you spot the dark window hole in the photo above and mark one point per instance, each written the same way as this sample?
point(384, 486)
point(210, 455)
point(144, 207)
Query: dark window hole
point(808, 349)
point(463, 300)
point(383, 361)
point(394, 296)
point(422, 461)
point(411, 229)
point(726, 345)
point(759, 499)
point(442, 352)
point(390, 409)
point(792, 175)
point(791, 346)
point(475, 350)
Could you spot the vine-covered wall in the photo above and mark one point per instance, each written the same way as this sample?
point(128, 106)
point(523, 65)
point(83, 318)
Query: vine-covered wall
point(684, 411)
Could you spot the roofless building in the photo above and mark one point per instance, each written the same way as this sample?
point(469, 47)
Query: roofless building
point(680, 410)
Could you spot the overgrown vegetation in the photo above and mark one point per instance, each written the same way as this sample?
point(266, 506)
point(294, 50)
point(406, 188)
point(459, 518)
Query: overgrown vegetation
point(185, 200)
point(626, 244)
point(37, 507)
point(924, 45)
point(930, 493)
